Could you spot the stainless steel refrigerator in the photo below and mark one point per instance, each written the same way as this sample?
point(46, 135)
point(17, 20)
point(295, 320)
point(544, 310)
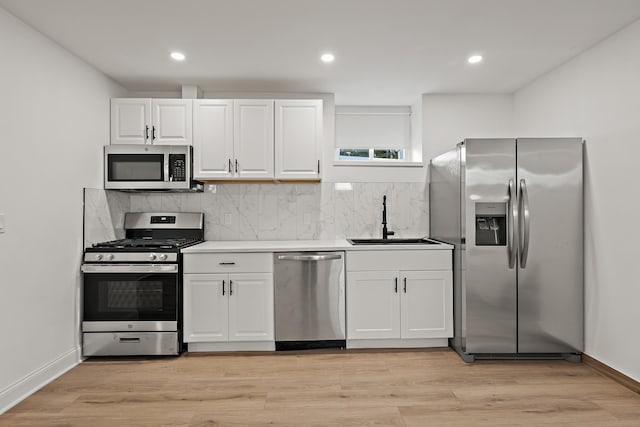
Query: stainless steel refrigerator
point(513, 208)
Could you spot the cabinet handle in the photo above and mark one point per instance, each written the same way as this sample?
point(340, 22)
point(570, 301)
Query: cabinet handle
point(153, 133)
point(405, 285)
point(230, 287)
point(318, 167)
point(227, 263)
point(223, 287)
point(396, 280)
point(146, 132)
point(236, 165)
point(230, 167)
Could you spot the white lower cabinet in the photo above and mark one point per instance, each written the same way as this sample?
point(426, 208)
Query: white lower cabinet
point(227, 311)
point(228, 307)
point(398, 308)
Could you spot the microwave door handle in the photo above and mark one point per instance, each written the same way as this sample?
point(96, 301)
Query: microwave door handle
point(166, 168)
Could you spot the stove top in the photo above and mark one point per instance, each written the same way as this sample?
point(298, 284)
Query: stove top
point(171, 243)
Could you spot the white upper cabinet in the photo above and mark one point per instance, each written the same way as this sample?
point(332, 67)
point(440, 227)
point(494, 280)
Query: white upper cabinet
point(257, 139)
point(130, 121)
point(151, 121)
point(171, 121)
point(298, 139)
point(213, 138)
point(253, 138)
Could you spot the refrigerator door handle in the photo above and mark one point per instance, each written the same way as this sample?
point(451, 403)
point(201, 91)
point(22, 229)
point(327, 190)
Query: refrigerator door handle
point(512, 217)
point(524, 224)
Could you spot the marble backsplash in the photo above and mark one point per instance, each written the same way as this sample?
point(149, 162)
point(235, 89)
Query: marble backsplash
point(282, 211)
point(104, 215)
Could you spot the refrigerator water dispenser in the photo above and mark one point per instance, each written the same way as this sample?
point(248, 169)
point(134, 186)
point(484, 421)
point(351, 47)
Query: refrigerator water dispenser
point(491, 224)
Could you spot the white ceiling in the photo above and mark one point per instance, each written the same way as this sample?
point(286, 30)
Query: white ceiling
point(387, 51)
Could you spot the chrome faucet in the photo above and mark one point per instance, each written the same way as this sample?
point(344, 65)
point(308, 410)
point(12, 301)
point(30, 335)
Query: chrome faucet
point(385, 233)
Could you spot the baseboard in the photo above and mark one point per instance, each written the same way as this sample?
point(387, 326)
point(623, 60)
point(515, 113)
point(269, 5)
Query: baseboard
point(25, 387)
point(398, 343)
point(608, 371)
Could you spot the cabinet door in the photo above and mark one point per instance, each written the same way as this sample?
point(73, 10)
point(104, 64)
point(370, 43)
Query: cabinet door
point(253, 138)
point(130, 121)
point(426, 304)
point(212, 138)
point(373, 304)
point(251, 307)
point(172, 121)
point(206, 309)
point(298, 138)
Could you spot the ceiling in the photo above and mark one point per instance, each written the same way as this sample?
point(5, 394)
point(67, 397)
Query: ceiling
point(388, 52)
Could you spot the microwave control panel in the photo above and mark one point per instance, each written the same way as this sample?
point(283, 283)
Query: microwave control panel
point(177, 167)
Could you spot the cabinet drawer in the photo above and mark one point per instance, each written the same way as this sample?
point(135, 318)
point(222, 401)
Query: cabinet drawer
point(229, 263)
point(399, 260)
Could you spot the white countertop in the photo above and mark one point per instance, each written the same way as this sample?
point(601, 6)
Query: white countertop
point(213, 246)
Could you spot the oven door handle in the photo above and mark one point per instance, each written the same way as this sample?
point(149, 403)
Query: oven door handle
point(130, 268)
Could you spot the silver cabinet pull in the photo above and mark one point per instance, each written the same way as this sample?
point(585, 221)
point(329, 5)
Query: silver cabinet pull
point(396, 287)
point(230, 287)
point(230, 166)
point(223, 287)
point(153, 133)
point(146, 132)
point(525, 220)
point(236, 165)
point(129, 340)
point(405, 285)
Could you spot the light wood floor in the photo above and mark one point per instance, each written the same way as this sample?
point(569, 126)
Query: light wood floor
point(417, 388)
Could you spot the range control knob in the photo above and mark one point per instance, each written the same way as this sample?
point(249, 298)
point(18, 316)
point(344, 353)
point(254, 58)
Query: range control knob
point(152, 257)
point(110, 257)
point(98, 257)
point(163, 257)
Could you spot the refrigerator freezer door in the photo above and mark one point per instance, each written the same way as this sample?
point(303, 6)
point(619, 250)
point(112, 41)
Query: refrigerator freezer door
point(489, 284)
point(550, 283)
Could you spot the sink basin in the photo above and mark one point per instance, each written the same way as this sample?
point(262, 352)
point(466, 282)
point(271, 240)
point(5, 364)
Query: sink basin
point(416, 241)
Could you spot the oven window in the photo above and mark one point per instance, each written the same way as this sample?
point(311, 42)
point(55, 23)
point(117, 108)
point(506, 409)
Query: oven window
point(136, 167)
point(126, 296)
point(130, 296)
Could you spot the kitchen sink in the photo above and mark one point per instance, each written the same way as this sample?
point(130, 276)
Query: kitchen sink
point(415, 241)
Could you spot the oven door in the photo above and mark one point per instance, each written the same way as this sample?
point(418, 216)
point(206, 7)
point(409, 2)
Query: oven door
point(130, 297)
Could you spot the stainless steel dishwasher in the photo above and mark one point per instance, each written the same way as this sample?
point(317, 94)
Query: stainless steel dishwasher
point(309, 300)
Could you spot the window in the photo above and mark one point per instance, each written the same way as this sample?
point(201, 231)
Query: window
point(366, 134)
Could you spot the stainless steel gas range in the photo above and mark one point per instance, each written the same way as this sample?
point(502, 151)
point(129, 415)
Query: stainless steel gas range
point(133, 286)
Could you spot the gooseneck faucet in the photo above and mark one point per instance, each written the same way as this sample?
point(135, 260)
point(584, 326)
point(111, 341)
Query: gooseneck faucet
point(385, 233)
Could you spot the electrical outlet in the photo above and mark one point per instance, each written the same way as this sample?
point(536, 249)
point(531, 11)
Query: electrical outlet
point(306, 219)
point(227, 219)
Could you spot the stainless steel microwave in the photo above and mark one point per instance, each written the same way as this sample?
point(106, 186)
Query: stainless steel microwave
point(149, 167)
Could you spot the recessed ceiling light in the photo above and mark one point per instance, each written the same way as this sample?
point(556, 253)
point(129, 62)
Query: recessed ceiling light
point(177, 56)
point(474, 59)
point(327, 57)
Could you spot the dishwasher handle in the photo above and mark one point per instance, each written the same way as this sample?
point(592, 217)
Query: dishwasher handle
point(309, 257)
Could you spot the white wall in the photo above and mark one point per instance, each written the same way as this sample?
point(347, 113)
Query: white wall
point(597, 96)
point(447, 119)
point(54, 117)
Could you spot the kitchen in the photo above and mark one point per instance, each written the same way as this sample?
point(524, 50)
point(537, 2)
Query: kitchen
point(55, 150)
